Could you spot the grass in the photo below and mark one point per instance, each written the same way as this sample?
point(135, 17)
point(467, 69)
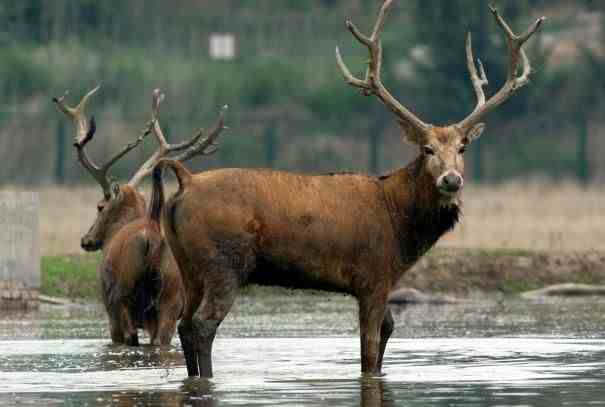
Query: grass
point(75, 277)
point(516, 286)
point(72, 276)
point(501, 225)
point(455, 271)
point(515, 218)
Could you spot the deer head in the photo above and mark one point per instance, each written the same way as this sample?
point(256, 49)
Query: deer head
point(442, 147)
point(122, 204)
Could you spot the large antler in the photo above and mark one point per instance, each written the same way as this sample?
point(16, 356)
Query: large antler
point(85, 131)
point(514, 81)
point(372, 83)
point(188, 149)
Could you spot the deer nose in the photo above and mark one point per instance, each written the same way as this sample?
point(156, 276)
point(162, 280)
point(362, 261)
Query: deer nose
point(452, 182)
point(89, 244)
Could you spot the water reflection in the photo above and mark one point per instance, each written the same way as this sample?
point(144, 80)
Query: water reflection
point(193, 393)
point(375, 393)
point(371, 392)
point(304, 351)
point(123, 357)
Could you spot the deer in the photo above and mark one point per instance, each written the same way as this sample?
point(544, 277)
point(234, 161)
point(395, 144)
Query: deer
point(140, 282)
point(348, 233)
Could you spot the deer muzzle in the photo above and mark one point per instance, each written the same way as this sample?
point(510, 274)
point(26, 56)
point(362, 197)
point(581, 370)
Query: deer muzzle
point(450, 182)
point(90, 245)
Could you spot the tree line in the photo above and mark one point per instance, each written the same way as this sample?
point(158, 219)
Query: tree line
point(290, 107)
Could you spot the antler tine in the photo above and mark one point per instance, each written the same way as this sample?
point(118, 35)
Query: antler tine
point(479, 79)
point(192, 147)
point(514, 81)
point(84, 134)
point(76, 114)
point(208, 145)
point(126, 149)
point(372, 83)
point(156, 100)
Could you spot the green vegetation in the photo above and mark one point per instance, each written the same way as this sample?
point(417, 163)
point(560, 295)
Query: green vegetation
point(71, 276)
point(456, 271)
point(284, 76)
point(516, 286)
point(76, 277)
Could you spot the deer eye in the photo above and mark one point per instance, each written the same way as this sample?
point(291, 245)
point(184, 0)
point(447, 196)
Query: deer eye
point(428, 150)
point(462, 150)
point(100, 208)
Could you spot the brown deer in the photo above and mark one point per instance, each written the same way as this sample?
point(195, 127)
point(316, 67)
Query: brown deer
point(347, 233)
point(141, 284)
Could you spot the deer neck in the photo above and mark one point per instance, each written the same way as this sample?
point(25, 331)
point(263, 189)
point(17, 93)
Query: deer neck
point(132, 211)
point(418, 212)
point(127, 217)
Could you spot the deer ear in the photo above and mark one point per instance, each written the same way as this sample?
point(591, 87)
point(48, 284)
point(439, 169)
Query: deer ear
point(115, 190)
point(474, 133)
point(411, 134)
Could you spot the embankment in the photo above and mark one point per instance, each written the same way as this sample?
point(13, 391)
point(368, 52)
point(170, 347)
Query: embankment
point(459, 272)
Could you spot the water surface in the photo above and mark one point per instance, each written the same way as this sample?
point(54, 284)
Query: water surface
point(302, 350)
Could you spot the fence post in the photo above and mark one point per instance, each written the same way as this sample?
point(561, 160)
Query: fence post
point(270, 145)
point(60, 153)
point(375, 140)
point(582, 153)
point(477, 161)
point(376, 129)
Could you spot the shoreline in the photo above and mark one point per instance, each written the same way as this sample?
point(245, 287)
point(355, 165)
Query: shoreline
point(457, 272)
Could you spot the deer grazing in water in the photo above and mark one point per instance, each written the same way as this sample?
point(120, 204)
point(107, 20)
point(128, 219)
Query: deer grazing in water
point(141, 284)
point(348, 233)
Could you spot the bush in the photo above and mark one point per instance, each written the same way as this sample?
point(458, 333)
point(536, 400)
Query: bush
point(21, 75)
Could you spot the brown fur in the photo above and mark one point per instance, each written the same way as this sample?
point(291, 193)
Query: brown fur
point(141, 286)
point(347, 233)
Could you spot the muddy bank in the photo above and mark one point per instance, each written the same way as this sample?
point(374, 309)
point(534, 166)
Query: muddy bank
point(459, 272)
point(465, 271)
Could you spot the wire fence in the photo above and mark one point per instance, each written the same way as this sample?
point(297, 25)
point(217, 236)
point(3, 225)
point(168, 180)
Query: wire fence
point(302, 133)
point(36, 152)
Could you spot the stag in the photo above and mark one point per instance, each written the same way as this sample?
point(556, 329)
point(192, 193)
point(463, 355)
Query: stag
point(348, 233)
point(141, 284)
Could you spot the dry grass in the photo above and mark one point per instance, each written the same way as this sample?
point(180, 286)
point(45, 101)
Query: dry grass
point(534, 216)
point(516, 215)
point(65, 215)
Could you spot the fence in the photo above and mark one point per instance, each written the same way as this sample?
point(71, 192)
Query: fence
point(289, 107)
point(286, 143)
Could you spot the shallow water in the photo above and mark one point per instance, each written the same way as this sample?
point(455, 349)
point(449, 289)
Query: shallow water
point(303, 350)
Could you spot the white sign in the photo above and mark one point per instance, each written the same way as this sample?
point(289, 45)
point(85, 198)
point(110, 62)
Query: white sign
point(222, 46)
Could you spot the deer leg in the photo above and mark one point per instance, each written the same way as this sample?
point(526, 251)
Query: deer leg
point(166, 324)
point(187, 335)
point(386, 329)
point(152, 327)
point(216, 290)
point(166, 331)
point(115, 330)
point(131, 337)
point(218, 299)
point(371, 315)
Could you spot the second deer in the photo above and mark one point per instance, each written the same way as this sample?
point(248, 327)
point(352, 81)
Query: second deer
point(140, 280)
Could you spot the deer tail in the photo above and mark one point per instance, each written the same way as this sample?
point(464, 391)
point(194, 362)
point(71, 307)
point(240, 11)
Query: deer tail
point(182, 174)
point(157, 197)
